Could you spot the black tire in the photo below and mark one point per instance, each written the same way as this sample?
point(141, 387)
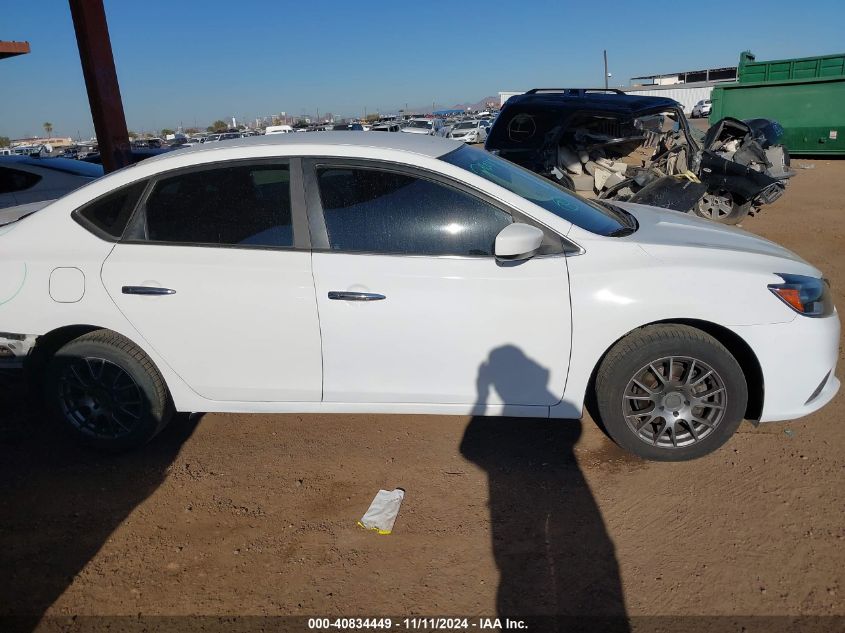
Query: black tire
point(722, 207)
point(107, 392)
point(652, 345)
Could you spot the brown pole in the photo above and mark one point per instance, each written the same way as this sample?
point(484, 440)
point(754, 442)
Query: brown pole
point(92, 37)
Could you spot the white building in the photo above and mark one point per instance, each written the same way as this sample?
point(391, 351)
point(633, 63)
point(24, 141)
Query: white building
point(687, 88)
point(685, 94)
point(504, 96)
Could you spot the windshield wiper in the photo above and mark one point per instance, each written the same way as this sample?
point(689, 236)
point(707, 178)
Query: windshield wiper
point(627, 219)
point(622, 231)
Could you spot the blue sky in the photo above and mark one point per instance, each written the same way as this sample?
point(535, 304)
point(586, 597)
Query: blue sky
point(194, 61)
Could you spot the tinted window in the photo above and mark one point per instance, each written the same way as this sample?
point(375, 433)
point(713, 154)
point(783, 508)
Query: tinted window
point(12, 180)
point(386, 212)
point(246, 205)
point(109, 215)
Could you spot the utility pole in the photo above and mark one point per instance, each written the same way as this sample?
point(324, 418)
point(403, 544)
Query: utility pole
point(605, 69)
point(95, 53)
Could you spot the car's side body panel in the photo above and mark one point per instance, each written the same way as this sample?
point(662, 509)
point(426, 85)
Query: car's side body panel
point(241, 324)
point(449, 331)
point(620, 285)
point(29, 253)
point(617, 285)
point(798, 360)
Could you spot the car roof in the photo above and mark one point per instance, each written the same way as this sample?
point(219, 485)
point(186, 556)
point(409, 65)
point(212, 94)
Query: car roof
point(432, 146)
point(592, 100)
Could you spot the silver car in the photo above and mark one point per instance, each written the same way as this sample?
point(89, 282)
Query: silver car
point(701, 109)
point(471, 131)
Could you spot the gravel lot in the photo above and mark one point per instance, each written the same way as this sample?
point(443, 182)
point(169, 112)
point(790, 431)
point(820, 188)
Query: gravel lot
point(256, 514)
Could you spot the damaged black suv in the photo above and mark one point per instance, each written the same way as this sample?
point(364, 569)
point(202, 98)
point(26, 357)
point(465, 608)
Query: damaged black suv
point(642, 149)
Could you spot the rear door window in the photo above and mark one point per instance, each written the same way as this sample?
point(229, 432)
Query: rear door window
point(234, 205)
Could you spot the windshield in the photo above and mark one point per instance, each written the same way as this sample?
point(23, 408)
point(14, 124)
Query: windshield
point(590, 216)
point(421, 124)
point(465, 125)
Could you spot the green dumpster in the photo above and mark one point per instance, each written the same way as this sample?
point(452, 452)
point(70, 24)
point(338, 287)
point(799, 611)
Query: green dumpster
point(806, 96)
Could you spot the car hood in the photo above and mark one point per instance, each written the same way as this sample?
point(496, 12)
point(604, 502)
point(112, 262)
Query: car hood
point(667, 235)
point(417, 130)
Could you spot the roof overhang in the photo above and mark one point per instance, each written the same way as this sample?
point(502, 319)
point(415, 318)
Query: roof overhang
point(12, 49)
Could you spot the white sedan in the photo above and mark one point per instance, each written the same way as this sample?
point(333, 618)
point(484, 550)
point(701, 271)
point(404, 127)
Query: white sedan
point(469, 131)
point(393, 273)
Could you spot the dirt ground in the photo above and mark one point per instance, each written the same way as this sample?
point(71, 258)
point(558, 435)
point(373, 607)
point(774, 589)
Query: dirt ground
point(256, 514)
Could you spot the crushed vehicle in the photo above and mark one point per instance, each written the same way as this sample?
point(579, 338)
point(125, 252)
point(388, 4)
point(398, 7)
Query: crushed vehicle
point(624, 147)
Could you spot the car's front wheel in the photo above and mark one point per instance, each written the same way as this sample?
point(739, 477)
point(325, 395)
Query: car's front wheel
point(670, 393)
point(107, 391)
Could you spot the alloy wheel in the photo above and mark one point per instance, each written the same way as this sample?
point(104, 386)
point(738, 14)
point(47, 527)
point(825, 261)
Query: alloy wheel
point(675, 401)
point(100, 398)
point(715, 206)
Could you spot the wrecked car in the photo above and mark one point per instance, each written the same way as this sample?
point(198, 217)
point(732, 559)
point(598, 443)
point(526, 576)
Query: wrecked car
point(617, 146)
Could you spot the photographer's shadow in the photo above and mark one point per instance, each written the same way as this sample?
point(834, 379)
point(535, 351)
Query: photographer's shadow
point(60, 503)
point(554, 555)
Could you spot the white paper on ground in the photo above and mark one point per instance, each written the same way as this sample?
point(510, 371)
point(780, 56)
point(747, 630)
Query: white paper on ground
point(381, 515)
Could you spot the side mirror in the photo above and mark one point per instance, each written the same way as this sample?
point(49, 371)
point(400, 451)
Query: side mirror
point(518, 241)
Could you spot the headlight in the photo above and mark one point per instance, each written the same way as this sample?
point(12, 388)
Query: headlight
point(806, 295)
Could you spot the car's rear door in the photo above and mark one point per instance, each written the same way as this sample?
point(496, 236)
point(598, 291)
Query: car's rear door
point(414, 307)
point(215, 273)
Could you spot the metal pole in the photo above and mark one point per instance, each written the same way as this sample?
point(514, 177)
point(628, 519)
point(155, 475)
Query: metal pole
point(95, 53)
point(605, 69)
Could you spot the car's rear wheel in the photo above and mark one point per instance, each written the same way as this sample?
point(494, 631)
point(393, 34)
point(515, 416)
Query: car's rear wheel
point(670, 393)
point(722, 207)
point(107, 392)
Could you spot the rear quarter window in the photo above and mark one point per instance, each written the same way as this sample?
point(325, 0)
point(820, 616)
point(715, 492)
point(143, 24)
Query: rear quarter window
point(108, 215)
point(12, 180)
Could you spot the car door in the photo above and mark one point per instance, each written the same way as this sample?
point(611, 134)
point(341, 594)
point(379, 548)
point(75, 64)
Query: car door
point(414, 307)
point(214, 272)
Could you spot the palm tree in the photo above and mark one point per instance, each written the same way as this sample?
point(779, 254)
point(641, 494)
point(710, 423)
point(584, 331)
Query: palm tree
point(48, 128)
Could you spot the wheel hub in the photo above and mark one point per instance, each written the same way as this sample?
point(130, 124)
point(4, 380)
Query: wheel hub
point(673, 400)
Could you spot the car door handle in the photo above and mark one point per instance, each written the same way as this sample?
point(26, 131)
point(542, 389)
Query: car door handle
point(337, 295)
point(147, 290)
